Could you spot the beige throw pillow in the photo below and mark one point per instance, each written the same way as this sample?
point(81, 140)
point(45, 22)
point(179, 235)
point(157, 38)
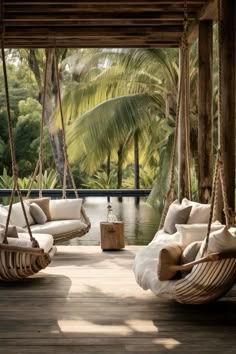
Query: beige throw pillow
point(38, 214)
point(11, 232)
point(177, 214)
point(169, 255)
point(43, 203)
point(190, 252)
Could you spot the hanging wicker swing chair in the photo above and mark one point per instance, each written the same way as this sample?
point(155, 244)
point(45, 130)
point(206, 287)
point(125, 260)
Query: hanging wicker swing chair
point(24, 258)
point(64, 236)
point(213, 275)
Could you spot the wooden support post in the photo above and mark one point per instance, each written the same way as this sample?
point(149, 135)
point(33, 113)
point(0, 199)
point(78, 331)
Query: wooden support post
point(228, 96)
point(184, 189)
point(205, 112)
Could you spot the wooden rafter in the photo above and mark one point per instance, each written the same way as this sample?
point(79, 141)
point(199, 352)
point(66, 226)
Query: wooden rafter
point(103, 23)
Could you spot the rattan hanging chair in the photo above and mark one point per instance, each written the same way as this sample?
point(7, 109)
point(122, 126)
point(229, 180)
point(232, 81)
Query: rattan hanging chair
point(213, 275)
point(16, 261)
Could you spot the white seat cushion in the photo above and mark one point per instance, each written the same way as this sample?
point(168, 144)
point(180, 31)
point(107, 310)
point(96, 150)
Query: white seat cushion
point(45, 241)
point(19, 242)
point(146, 264)
point(56, 227)
point(64, 209)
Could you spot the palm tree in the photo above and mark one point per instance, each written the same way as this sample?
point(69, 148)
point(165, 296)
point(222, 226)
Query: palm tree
point(132, 89)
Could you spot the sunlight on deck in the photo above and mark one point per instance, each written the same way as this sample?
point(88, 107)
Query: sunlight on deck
point(87, 301)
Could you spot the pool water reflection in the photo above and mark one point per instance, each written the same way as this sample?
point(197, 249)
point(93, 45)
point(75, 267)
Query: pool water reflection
point(140, 220)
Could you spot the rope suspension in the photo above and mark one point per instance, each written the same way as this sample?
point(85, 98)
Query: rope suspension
point(12, 151)
point(39, 165)
point(183, 83)
point(67, 167)
point(219, 176)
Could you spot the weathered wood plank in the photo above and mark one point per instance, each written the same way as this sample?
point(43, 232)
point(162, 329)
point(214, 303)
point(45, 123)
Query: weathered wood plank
point(205, 111)
point(184, 190)
point(228, 97)
point(61, 310)
point(53, 19)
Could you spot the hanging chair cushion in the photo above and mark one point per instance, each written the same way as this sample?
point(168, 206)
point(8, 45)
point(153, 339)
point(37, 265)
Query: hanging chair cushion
point(43, 203)
point(146, 265)
point(169, 255)
point(45, 241)
point(56, 227)
point(64, 209)
point(199, 213)
point(195, 232)
point(37, 214)
point(177, 214)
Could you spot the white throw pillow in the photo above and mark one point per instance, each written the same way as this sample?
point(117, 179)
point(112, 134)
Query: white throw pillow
point(64, 209)
point(195, 232)
point(219, 241)
point(199, 214)
point(17, 217)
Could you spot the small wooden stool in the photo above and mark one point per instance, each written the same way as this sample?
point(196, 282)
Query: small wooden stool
point(112, 235)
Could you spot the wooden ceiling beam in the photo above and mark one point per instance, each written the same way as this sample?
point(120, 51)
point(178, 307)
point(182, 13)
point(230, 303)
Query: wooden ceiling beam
point(106, 2)
point(207, 12)
point(159, 17)
point(119, 43)
point(117, 22)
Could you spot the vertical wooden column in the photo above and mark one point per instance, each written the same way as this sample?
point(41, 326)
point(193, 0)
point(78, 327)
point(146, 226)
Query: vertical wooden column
point(184, 189)
point(228, 96)
point(205, 112)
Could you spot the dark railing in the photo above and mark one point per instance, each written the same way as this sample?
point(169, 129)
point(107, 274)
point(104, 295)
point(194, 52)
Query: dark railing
point(83, 192)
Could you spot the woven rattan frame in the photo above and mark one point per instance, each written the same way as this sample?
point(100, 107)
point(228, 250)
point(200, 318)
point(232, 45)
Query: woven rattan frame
point(21, 262)
point(65, 236)
point(190, 291)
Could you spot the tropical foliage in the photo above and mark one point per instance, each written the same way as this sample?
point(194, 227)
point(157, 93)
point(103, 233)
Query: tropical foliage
point(119, 108)
point(49, 181)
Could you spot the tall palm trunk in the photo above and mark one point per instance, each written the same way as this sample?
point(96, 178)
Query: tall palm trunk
point(136, 163)
point(136, 160)
point(108, 164)
point(119, 167)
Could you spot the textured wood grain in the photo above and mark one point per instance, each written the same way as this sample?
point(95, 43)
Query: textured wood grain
point(112, 235)
point(115, 23)
point(87, 301)
point(205, 112)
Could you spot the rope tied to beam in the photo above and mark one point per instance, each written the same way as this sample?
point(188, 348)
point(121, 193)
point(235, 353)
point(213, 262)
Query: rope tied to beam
point(219, 175)
point(182, 83)
point(13, 157)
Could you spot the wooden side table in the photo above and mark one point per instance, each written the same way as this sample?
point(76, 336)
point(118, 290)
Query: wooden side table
point(112, 235)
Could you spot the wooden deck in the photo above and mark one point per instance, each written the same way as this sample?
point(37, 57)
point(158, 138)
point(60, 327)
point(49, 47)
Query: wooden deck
point(87, 301)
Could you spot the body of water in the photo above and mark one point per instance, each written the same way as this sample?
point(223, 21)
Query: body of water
point(140, 220)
